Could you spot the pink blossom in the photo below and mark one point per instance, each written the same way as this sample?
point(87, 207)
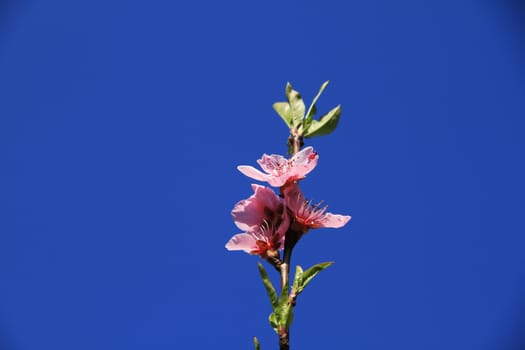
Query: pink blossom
point(260, 241)
point(307, 215)
point(250, 213)
point(280, 170)
point(264, 220)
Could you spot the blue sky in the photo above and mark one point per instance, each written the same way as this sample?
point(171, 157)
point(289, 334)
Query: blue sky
point(121, 126)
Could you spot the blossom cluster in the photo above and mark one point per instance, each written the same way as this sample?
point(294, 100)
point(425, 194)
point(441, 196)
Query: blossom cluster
point(265, 217)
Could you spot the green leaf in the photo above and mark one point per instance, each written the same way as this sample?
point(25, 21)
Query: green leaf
point(285, 310)
point(283, 299)
point(289, 317)
point(309, 274)
point(325, 125)
point(297, 107)
point(282, 315)
point(312, 109)
point(256, 343)
point(274, 321)
point(272, 294)
point(283, 109)
point(298, 278)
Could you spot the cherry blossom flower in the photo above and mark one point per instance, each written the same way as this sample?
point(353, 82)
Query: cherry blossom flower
point(307, 215)
point(280, 170)
point(250, 213)
point(262, 241)
point(264, 220)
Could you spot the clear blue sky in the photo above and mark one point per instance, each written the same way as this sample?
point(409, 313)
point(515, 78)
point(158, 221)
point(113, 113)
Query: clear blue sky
point(121, 126)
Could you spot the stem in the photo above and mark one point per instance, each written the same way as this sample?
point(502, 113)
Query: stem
point(284, 340)
point(292, 237)
point(274, 259)
point(295, 141)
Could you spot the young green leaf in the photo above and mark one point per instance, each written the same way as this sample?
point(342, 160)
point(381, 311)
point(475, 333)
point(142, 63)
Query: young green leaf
point(284, 314)
point(272, 294)
point(283, 109)
point(312, 109)
point(274, 321)
point(297, 106)
point(310, 273)
point(289, 317)
point(256, 343)
point(325, 125)
point(298, 278)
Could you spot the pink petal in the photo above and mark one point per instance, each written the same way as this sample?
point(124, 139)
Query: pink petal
point(273, 163)
point(278, 181)
point(266, 196)
point(250, 213)
point(330, 220)
point(245, 219)
point(293, 197)
point(242, 241)
point(283, 227)
point(303, 162)
point(252, 173)
point(303, 155)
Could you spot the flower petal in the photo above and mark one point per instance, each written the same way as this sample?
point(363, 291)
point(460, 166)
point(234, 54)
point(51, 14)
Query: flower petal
point(330, 220)
point(273, 163)
point(303, 162)
point(250, 213)
point(293, 196)
point(242, 241)
point(252, 173)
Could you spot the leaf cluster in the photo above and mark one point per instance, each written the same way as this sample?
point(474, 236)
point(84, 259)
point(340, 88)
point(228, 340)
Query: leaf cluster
point(282, 314)
point(300, 121)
